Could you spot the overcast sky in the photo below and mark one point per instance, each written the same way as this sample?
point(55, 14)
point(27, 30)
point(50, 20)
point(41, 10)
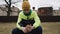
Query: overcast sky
point(37, 3)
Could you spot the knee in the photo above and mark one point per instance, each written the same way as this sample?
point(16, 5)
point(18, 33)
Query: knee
point(39, 28)
point(14, 31)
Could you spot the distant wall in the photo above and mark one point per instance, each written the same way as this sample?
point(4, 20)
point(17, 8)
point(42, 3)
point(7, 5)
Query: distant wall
point(43, 19)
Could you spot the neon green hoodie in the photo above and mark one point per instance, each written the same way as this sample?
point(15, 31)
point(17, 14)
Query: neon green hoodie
point(33, 14)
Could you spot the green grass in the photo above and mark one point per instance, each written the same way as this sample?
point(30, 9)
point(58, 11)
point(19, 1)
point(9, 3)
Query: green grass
point(48, 27)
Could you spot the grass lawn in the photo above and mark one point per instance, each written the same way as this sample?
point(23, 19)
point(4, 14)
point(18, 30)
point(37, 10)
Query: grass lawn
point(48, 27)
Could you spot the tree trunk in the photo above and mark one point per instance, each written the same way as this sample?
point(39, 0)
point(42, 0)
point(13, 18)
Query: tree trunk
point(9, 8)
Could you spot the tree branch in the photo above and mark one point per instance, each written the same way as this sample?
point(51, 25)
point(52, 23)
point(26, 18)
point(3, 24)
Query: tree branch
point(15, 2)
point(6, 1)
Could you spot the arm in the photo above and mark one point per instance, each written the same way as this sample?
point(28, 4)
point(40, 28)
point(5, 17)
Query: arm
point(18, 21)
point(37, 21)
point(24, 29)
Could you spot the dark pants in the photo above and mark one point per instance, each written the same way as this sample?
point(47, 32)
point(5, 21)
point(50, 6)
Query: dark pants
point(38, 30)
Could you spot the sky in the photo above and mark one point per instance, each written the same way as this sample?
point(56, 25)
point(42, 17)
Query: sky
point(37, 3)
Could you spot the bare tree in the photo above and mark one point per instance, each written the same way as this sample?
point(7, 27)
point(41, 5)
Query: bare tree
point(9, 7)
point(9, 3)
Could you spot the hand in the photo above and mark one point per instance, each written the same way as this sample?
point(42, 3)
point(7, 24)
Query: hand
point(24, 29)
point(29, 28)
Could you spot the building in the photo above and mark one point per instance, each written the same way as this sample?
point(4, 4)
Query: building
point(14, 11)
point(56, 12)
point(45, 11)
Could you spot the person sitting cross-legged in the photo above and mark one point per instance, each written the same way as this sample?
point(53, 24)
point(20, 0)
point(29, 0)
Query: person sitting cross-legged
point(28, 21)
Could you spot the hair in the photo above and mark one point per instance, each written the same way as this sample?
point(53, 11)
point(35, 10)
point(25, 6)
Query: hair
point(25, 4)
point(33, 8)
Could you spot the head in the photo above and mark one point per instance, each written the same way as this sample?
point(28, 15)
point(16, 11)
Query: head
point(26, 7)
point(33, 8)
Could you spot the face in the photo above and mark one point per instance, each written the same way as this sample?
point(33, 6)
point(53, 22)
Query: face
point(26, 10)
point(26, 7)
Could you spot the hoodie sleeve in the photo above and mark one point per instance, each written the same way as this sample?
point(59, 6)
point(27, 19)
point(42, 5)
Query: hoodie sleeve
point(37, 20)
point(18, 21)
